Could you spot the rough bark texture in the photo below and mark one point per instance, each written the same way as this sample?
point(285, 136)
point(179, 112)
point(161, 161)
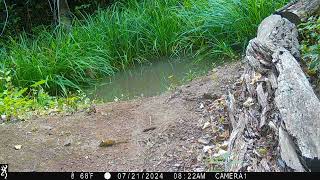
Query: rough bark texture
point(296, 11)
point(273, 109)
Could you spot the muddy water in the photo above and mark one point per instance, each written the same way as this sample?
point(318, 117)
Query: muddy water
point(149, 79)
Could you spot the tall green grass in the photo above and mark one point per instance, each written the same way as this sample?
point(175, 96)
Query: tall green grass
point(133, 32)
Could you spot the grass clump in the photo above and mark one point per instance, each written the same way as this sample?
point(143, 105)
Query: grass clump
point(132, 32)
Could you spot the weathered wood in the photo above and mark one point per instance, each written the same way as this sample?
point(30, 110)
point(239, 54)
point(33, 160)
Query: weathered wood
point(231, 110)
point(276, 31)
point(299, 10)
point(275, 95)
point(288, 151)
point(237, 146)
point(298, 104)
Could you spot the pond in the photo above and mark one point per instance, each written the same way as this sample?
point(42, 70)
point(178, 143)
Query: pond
point(149, 79)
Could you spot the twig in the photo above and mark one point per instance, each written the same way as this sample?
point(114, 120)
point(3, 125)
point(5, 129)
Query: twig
point(7, 15)
point(50, 6)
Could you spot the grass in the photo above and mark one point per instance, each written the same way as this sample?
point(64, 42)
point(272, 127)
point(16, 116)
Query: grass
point(133, 32)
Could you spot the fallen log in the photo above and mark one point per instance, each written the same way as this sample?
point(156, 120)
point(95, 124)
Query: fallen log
point(297, 11)
point(276, 114)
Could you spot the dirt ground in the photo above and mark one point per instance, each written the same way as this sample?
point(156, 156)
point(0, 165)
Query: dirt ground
point(71, 143)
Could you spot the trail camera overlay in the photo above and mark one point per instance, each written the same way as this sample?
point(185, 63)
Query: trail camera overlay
point(3, 171)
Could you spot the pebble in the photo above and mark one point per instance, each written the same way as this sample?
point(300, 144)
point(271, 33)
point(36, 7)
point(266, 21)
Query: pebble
point(203, 141)
point(46, 127)
point(207, 148)
point(199, 169)
point(67, 143)
point(3, 117)
point(17, 147)
point(206, 125)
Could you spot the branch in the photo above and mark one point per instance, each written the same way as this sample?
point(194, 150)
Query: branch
point(7, 15)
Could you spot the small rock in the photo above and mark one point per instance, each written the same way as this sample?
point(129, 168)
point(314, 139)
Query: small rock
point(3, 117)
point(201, 106)
point(207, 148)
point(46, 127)
point(17, 147)
point(67, 142)
point(199, 170)
point(203, 141)
point(206, 125)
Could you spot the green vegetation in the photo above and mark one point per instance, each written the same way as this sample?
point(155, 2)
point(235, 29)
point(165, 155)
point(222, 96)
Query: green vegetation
point(310, 45)
point(45, 61)
point(22, 103)
point(125, 33)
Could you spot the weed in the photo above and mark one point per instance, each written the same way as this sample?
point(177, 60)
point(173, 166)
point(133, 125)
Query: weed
point(22, 103)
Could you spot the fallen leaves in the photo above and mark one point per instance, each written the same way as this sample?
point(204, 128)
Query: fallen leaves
point(215, 124)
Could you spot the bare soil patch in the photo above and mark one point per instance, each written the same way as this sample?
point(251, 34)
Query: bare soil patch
point(159, 133)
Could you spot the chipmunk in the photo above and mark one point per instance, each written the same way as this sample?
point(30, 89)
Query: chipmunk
point(109, 142)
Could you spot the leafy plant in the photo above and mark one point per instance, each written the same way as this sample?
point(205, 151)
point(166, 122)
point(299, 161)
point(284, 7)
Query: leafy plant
point(20, 103)
point(310, 45)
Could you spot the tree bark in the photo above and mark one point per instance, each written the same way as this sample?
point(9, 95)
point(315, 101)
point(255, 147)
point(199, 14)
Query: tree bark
point(298, 11)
